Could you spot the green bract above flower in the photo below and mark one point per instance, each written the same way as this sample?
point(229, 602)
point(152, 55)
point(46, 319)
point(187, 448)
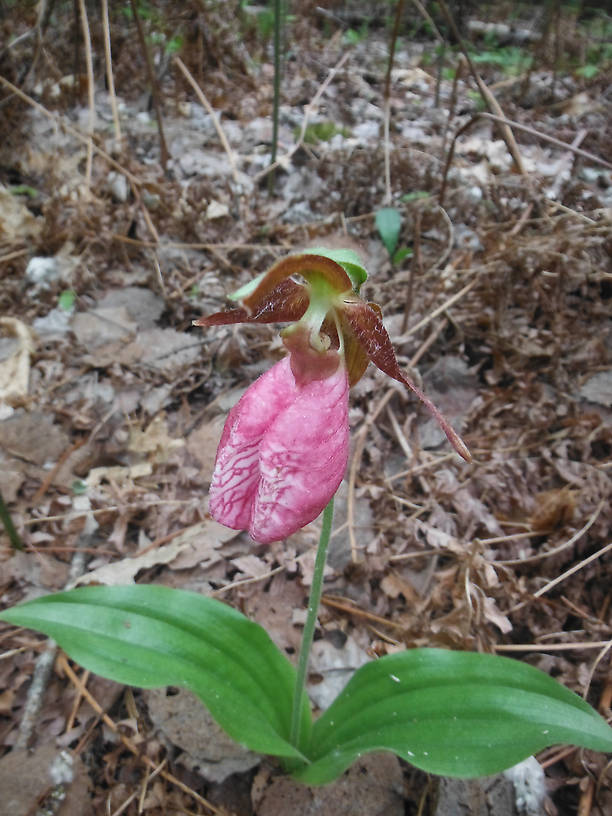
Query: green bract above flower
point(317, 292)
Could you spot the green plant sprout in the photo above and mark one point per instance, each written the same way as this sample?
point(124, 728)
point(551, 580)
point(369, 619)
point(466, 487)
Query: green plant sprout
point(511, 59)
point(67, 300)
point(280, 460)
point(321, 132)
point(389, 225)
point(353, 36)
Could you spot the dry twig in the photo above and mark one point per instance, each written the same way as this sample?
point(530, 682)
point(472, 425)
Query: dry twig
point(486, 94)
point(308, 111)
point(518, 126)
point(109, 70)
point(84, 692)
point(569, 543)
point(155, 91)
point(60, 122)
point(208, 107)
point(90, 93)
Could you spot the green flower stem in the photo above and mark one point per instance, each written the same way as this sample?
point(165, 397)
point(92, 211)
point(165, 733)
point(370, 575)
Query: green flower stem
point(311, 620)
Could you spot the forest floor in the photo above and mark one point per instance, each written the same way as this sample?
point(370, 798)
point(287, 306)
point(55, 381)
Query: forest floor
point(112, 404)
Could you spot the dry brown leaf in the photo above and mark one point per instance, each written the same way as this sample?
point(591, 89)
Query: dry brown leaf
point(202, 443)
point(28, 778)
point(494, 615)
point(17, 222)
point(15, 366)
point(251, 565)
point(118, 474)
point(99, 327)
point(33, 436)
point(125, 571)
point(183, 720)
point(155, 441)
point(554, 509)
point(373, 786)
point(202, 543)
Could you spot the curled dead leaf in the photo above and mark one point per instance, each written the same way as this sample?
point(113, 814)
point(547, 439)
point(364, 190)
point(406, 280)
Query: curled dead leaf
point(15, 367)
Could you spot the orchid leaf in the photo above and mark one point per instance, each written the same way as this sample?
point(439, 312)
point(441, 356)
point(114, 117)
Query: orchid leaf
point(451, 713)
point(152, 636)
point(389, 224)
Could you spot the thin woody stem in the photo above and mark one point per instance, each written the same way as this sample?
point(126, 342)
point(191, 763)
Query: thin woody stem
point(311, 620)
point(7, 521)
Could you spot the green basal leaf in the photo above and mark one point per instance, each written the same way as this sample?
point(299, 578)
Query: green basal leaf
point(348, 259)
point(389, 224)
point(452, 713)
point(151, 636)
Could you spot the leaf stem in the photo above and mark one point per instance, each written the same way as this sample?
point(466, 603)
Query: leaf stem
point(311, 620)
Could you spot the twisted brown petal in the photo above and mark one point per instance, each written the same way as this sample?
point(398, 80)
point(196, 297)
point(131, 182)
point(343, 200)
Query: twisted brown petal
point(370, 332)
point(303, 265)
point(286, 303)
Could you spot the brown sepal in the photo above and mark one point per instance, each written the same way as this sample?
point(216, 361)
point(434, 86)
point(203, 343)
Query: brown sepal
point(303, 265)
point(284, 304)
point(369, 330)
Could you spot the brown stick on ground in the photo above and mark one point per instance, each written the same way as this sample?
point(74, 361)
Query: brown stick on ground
point(85, 693)
point(90, 92)
point(163, 148)
point(490, 101)
point(387, 99)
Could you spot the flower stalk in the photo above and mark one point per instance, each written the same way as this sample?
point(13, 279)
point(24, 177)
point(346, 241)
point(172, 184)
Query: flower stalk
point(314, 601)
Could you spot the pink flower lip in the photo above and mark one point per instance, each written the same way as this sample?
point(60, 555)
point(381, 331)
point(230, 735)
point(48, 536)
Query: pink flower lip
point(283, 453)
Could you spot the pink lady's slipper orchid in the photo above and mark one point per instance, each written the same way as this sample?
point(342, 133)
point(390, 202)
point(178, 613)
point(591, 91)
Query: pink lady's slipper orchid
point(284, 447)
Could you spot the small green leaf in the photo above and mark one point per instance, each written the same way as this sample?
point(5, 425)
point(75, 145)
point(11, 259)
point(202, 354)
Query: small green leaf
point(451, 713)
point(321, 132)
point(415, 195)
point(348, 259)
point(23, 189)
point(66, 300)
point(152, 636)
point(174, 45)
point(400, 254)
point(389, 224)
point(79, 487)
point(587, 71)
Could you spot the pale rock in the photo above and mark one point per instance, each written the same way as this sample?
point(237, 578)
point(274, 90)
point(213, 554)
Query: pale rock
point(118, 186)
point(216, 209)
point(42, 271)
